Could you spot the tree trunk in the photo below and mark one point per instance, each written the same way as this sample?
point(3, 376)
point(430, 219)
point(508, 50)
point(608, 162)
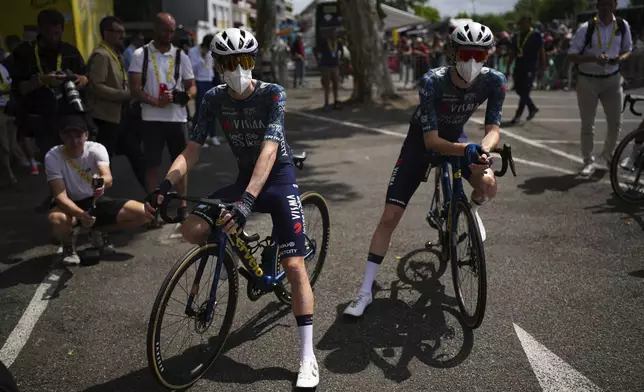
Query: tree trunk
point(266, 24)
point(364, 29)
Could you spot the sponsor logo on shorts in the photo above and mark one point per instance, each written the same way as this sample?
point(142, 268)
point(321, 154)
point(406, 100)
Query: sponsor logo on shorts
point(295, 206)
point(287, 252)
point(288, 245)
point(297, 228)
point(393, 176)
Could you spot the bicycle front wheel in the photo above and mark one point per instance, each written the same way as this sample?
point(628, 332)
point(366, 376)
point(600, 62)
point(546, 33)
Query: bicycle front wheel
point(468, 265)
point(630, 185)
point(194, 356)
point(317, 232)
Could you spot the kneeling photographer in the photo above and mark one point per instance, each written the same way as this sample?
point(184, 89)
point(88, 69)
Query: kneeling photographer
point(47, 75)
point(78, 172)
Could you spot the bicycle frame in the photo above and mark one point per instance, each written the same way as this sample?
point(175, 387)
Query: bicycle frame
point(451, 190)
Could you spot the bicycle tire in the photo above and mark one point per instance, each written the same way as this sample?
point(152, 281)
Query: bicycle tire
point(155, 359)
point(310, 198)
point(472, 321)
point(615, 164)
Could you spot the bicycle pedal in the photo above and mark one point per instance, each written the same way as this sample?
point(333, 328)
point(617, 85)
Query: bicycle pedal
point(431, 223)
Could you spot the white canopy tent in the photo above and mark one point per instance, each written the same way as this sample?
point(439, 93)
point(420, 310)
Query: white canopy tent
point(396, 18)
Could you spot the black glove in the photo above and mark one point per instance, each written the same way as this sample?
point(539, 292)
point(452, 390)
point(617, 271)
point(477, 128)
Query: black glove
point(163, 189)
point(472, 153)
point(241, 209)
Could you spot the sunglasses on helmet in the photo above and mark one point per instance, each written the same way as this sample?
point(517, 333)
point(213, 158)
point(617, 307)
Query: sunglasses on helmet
point(230, 62)
point(479, 56)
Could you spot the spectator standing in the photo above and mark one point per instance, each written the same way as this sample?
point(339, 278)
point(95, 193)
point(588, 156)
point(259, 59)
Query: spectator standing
point(280, 53)
point(72, 170)
point(599, 47)
point(328, 53)
point(161, 78)
point(137, 41)
point(297, 55)
point(405, 54)
point(35, 77)
point(529, 59)
point(203, 68)
point(109, 96)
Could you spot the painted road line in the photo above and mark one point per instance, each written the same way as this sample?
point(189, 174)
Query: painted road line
point(20, 334)
point(511, 134)
point(553, 373)
point(568, 120)
point(563, 141)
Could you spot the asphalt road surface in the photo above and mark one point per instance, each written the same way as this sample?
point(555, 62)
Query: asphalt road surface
point(564, 258)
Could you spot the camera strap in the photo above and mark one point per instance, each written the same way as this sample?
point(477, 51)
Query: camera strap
point(59, 61)
point(73, 164)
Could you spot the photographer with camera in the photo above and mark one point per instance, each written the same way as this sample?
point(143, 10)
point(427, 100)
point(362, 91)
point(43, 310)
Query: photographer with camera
point(161, 78)
point(47, 74)
point(78, 172)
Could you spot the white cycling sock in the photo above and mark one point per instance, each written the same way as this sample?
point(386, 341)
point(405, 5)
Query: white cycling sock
point(305, 328)
point(370, 272)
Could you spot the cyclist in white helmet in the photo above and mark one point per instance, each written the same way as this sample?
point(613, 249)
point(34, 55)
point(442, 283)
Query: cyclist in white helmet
point(448, 98)
point(251, 114)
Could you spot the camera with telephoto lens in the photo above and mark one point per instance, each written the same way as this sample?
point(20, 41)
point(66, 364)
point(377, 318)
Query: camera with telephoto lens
point(180, 97)
point(70, 92)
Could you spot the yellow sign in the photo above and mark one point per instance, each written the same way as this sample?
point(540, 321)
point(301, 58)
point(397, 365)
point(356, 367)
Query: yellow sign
point(395, 36)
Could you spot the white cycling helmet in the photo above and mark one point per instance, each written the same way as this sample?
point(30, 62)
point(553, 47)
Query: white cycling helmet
point(234, 41)
point(473, 34)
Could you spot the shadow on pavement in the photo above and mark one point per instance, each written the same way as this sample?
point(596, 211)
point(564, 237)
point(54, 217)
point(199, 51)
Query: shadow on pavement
point(428, 328)
point(377, 115)
point(34, 272)
point(538, 185)
point(637, 274)
point(225, 369)
point(614, 204)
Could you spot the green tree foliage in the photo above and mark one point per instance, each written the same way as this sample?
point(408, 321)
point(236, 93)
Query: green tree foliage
point(495, 22)
point(462, 15)
point(427, 12)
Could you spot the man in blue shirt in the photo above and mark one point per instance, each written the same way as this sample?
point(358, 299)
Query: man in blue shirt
point(529, 57)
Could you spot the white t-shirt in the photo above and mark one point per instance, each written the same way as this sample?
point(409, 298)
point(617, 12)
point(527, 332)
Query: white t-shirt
point(5, 79)
point(202, 67)
point(57, 167)
point(172, 112)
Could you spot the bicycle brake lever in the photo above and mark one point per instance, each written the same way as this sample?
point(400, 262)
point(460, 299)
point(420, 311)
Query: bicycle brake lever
point(511, 162)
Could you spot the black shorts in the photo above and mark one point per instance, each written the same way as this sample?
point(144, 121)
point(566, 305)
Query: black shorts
point(156, 134)
point(106, 211)
point(409, 171)
point(284, 205)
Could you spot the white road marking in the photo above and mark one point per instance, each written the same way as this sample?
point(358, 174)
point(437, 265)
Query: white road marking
point(504, 131)
point(21, 332)
point(570, 120)
point(563, 141)
point(553, 373)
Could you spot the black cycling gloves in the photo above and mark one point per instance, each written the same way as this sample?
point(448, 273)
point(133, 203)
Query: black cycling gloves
point(241, 209)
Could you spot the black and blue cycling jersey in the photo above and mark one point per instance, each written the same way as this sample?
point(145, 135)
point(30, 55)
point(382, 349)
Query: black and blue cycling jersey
point(444, 108)
point(246, 124)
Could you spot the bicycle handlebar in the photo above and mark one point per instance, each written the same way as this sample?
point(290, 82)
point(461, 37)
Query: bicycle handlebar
point(506, 159)
point(632, 99)
point(163, 211)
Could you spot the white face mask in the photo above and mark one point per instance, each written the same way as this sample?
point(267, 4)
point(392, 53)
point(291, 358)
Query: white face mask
point(469, 70)
point(239, 79)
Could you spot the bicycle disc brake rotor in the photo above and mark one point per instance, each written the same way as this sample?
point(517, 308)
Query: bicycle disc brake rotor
point(201, 324)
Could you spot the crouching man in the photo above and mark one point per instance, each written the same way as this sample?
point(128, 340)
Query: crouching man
point(78, 172)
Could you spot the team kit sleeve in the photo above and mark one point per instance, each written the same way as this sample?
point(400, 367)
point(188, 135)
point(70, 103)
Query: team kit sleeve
point(275, 128)
point(496, 97)
point(207, 117)
point(427, 95)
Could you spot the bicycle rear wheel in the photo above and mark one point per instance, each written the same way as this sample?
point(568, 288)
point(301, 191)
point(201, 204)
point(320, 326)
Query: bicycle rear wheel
point(631, 165)
point(181, 371)
point(316, 245)
point(472, 264)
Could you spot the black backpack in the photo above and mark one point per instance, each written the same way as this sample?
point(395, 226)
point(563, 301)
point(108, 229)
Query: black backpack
point(588, 41)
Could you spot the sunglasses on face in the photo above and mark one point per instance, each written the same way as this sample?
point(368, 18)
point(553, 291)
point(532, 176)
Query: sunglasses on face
point(479, 56)
point(230, 63)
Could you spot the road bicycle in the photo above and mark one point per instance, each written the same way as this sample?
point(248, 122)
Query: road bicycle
point(449, 204)
point(633, 163)
point(199, 313)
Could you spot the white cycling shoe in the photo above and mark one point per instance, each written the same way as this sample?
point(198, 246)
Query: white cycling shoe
point(309, 374)
point(357, 306)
